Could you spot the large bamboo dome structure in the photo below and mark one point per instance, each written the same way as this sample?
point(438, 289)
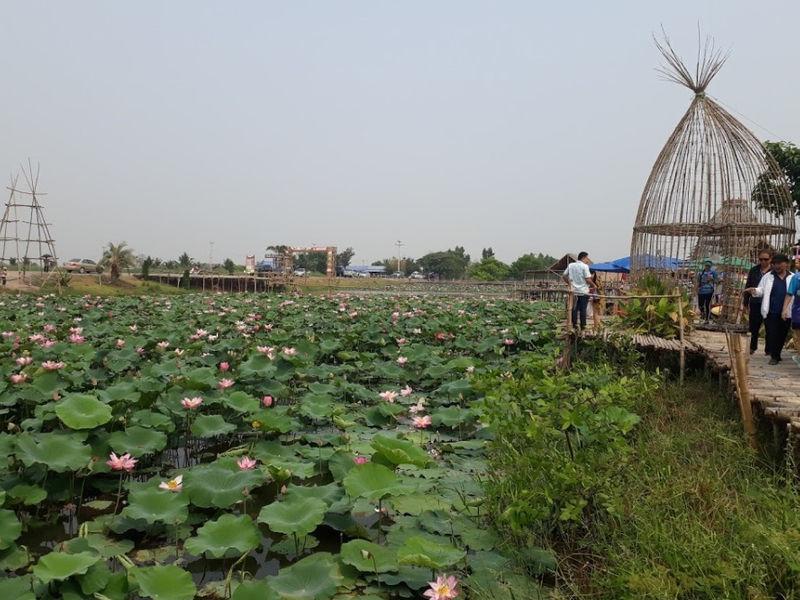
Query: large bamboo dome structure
point(714, 192)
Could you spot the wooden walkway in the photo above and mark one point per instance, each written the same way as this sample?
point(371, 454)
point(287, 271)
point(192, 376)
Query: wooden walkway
point(773, 389)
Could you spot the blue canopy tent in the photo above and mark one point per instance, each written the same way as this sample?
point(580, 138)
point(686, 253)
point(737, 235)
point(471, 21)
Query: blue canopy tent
point(621, 265)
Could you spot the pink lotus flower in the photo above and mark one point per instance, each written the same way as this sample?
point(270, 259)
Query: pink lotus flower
point(173, 485)
point(508, 342)
point(406, 391)
point(421, 422)
point(191, 403)
point(246, 463)
point(162, 345)
point(76, 338)
point(76, 330)
point(8, 334)
point(360, 460)
point(267, 401)
point(51, 365)
point(133, 327)
point(18, 378)
point(140, 351)
point(401, 341)
point(224, 384)
point(444, 588)
point(36, 338)
point(223, 366)
point(178, 352)
point(389, 396)
point(24, 361)
point(49, 327)
point(289, 351)
point(120, 343)
point(48, 344)
point(418, 407)
point(470, 369)
point(401, 360)
point(121, 463)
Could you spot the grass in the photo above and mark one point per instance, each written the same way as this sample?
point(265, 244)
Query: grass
point(95, 285)
point(698, 515)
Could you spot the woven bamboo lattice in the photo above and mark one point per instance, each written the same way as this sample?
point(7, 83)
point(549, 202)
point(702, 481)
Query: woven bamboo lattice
point(714, 193)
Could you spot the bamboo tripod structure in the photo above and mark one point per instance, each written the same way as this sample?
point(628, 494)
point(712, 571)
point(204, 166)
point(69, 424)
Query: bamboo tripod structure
point(23, 228)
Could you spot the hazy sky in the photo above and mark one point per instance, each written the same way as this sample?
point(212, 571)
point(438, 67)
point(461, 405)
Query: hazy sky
point(525, 126)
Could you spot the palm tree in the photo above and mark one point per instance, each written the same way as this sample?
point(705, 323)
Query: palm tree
point(117, 257)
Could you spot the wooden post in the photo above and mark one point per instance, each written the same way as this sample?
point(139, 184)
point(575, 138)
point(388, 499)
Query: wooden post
point(570, 300)
point(682, 351)
point(739, 369)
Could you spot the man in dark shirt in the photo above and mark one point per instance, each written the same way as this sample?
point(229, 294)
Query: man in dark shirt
point(772, 290)
point(755, 320)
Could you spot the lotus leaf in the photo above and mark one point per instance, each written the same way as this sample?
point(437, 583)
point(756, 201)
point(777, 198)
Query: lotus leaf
point(82, 411)
point(10, 528)
point(241, 402)
point(368, 557)
point(372, 481)
point(211, 425)
point(28, 494)
point(59, 451)
point(399, 451)
point(13, 558)
point(56, 566)
point(137, 441)
point(451, 416)
point(229, 532)
point(164, 582)
point(315, 577)
point(155, 505)
point(95, 579)
point(254, 590)
point(329, 493)
point(298, 516)
point(220, 484)
point(18, 588)
point(422, 552)
point(316, 407)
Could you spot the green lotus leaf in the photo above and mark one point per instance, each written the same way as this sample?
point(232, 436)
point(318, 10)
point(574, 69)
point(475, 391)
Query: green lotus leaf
point(451, 416)
point(211, 425)
point(241, 402)
point(258, 366)
point(316, 577)
point(18, 588)
point(59, 451)
point(156, 505)
point(220, 484)
point(372, 481)
point(368, 557)
point(95, 579)
point(298, 516)
point(423, 552)
point(254, 590)
point(82, 411)
point(28, 494)
point(137, 441)
point(104, 546)
point(13, 558)
point(329, 493)
point(57, 566)
point(316, 407)
point(399, 451)
point(414, 504)
point(164, 582)
point(10, 528)
point(201, 378)
point(229, 532)
point(276, 420)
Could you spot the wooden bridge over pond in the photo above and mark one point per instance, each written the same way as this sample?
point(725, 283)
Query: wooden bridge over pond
point(771, 392)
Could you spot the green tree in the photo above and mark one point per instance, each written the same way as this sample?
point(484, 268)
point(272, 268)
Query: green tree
point(185, 261)
point(489, 269)
point(312, 261)
point(147, 263)
point(448, 264)
point(229, 266)
point(787, 155)
point(487, 253)
point(344, 257)
point(530, 262)
point(407, 265)
point(117, 257)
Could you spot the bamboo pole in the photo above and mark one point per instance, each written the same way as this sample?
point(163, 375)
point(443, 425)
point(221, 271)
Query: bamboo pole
point(739, 369)
point(682, 351)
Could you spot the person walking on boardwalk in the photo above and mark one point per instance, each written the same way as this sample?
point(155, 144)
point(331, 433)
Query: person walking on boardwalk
point(791, 308)
point(578, 277)
point(706, 283)
point(772, 290)
point(753, 304)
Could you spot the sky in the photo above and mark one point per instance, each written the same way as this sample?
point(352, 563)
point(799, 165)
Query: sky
point(524, 126)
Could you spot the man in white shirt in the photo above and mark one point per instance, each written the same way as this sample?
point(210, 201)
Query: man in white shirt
point(578, 277)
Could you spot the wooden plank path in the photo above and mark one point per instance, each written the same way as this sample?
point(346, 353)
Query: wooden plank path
point(774, 389)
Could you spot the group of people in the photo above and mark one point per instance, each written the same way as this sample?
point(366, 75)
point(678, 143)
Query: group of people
point(770, 292)
point(771, 296)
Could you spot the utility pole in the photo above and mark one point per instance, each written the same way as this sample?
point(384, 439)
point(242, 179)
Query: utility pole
point(210, 256)
point(399, 245)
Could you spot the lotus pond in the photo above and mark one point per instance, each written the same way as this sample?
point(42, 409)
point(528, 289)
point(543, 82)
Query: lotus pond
point(250, 446)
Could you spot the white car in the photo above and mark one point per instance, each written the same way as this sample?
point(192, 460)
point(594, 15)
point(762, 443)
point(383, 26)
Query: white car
point(300, 272)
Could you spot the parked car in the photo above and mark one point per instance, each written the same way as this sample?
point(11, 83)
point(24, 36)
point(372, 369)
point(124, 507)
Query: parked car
point(81, 265)
point(300, 272)
point(265, 266)
point(416, 275)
